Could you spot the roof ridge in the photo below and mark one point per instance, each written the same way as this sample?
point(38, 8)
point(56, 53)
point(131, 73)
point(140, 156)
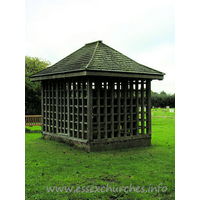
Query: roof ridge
point(95, 49)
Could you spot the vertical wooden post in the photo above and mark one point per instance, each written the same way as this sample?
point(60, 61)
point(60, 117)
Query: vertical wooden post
point(148, 91)
point(89, 109)
point(125, 108)
point(73, 115)
point(142, 106)
point(131, 105)
point(137, 107)
point(49, 86)
point(57, 104)
point(119, 108)
point(45, 83)
point(112, 108)
point(42, 105)
point(60, 106)
point(82, 90)
point(78, 85)
point(53, 105)
point(64, 110)
point(98, 88)
point(105, 110)
point(68, 107)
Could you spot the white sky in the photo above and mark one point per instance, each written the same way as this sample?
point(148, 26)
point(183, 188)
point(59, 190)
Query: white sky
point(142, 30)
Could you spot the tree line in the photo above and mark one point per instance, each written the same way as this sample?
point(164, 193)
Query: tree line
point(162, 100)
point(33, 89)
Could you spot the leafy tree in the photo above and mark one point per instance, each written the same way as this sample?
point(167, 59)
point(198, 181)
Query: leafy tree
point(33, 89)
point(162, 100)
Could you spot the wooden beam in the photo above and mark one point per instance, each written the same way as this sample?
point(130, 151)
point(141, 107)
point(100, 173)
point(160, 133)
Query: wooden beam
point(68, 106)
point(137, 107)
point(119, 108)
point(57, 104)
point(131, 105)
point(148, 91)
point(112, 108)
point(53, 104)
point(82, 90)
point(49, 92)
point(142, 107)
point(64, 110)
point(105, 110)
point(73, 115)
point(42, 106)
point(89, 109)
point(78, 85)
point(45, 83)
point(125, 108)
point(98, 88)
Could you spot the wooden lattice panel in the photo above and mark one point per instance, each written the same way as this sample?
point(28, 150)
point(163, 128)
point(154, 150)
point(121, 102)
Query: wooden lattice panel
point(96, 109)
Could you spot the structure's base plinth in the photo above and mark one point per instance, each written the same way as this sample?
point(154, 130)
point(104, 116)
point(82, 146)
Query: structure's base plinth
point(103, 145)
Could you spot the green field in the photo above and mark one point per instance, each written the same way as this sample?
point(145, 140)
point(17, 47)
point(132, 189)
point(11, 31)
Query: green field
point(49, 163)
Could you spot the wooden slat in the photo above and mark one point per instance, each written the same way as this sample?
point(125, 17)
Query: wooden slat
point(78, 85)
point(73, 116)
point(98, 86)
point(119, 108)
point(112, 108)
point(131, 105)
point(60, 107)
point(82, 90)
point(142, 107)
point(29, 116)
point(148, 91)
point(68, 106)
point(89, 109)
point(49, 92)
point(57, 104)
point(125, 108)
point(53, 105)
point(105, 111)
point(42, 104)
point(64, 88)
point(45, 105)
point(137, 106)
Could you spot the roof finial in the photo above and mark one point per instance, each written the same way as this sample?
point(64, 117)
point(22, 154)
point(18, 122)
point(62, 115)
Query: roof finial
point(98, 41)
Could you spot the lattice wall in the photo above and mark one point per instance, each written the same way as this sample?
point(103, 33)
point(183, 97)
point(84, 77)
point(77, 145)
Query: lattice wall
point(95, 108)
point(121, 108)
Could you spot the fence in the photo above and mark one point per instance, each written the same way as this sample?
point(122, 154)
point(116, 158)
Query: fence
point(33, 120)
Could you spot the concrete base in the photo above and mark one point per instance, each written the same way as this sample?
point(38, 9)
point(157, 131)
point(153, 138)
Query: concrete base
point(103, 145)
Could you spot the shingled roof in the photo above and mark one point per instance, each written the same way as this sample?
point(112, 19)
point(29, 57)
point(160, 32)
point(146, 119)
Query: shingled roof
point(97, 59)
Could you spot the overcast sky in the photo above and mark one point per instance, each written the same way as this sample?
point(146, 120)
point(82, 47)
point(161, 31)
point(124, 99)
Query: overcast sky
point(142, 30)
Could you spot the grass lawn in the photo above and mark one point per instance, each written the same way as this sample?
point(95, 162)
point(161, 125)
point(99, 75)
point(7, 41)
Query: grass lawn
point(49, 163)
point(32, 129)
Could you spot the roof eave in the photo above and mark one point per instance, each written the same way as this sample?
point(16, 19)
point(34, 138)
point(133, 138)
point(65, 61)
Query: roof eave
point(98, 73)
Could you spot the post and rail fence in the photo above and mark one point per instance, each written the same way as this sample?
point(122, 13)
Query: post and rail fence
point(33, 120)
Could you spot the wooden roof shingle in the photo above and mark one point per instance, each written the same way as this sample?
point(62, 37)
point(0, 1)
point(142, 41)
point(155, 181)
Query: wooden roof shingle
point(97, 58)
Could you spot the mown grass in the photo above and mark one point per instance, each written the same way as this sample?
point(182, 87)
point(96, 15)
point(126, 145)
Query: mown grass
point(32, 129)
point(49, 163)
